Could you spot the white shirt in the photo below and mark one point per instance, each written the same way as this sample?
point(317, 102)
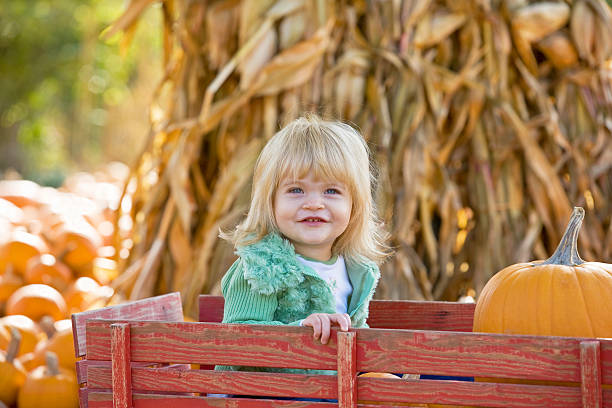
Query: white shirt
point(336, 277)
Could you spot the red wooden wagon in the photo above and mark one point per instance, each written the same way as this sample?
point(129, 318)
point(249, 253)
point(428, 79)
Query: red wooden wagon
point(142, 360)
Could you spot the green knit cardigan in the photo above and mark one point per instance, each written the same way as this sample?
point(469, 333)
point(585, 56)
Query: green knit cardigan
point(268, 285)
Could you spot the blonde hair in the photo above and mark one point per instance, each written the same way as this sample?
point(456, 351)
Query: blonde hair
point(333, 151)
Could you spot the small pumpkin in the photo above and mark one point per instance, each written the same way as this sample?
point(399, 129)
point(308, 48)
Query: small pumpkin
point(11, 212)
point(22, 193)
point(31, 334)
point(373, 374)
point(36, 301)
point(21, 247)
point(60, 342)
point(5, 337)
point(12, 373)
point(49, 385)
point(561, 296)
point(79, 243)
point(47, 269)
point(9, 283)
point(85, 294)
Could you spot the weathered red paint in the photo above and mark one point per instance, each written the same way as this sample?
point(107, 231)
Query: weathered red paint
point(121, 367)
point(162, 308)
point(347, 369)
point(585, 362)
point(165, 307)
point(590, 369)
point(384, 314)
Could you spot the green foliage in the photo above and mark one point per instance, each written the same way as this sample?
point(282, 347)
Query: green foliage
point(58, 79)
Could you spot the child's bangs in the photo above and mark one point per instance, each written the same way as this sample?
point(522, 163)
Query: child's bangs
point(326, 164)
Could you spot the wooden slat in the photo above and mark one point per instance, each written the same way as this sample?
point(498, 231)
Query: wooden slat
point(421, 315)
point(423, 352)
point(224, 382)
point(605, 354)
point(213, 343)
point(468, 393)
point(83, 397)
point(104, 400)
point(469, 354)
point(347, 370)
point(384, 314)
point(121, 367)
point(82, 366)
point(163, 308)
point(210, 308)
point(81, 370)
point(591, 374)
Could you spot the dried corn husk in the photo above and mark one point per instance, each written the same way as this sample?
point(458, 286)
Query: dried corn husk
point(537, 20)
point(488, 122)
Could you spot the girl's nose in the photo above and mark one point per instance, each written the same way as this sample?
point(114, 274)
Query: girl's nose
point(313, 204)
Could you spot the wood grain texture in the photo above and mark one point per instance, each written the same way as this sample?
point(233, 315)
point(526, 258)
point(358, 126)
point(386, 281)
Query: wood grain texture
point(163, 308)
point(384, 314)
point(468, 393)
point(400, 351)
point(83, 397)
point(83, 365)
point(223, 382)
point(421, 315)
point(591, 374)
point(121, 367)
point(560, 359)
point(347, 369)
point(469, 354)
point(214, 343)
point(104, 400)
point(605, 353)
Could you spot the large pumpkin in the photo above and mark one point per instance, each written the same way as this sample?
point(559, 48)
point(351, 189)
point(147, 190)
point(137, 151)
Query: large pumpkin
point(561, 296)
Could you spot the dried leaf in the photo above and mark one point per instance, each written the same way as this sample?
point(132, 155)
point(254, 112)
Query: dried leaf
point(293, 66)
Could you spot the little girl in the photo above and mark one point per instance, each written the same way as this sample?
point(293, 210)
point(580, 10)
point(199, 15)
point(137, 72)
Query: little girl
point(309, 245)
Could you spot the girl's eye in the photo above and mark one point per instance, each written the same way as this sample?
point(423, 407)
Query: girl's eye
point(295, 190)
point(332, 191)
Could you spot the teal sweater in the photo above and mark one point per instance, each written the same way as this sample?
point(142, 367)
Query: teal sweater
point(268, 285)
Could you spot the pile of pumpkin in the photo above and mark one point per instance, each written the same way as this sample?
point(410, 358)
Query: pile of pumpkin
point(56, 259)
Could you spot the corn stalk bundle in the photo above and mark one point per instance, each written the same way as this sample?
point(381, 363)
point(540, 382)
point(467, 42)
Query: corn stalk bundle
point(488, 122)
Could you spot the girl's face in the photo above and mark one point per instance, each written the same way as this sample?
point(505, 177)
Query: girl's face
point(312, 213)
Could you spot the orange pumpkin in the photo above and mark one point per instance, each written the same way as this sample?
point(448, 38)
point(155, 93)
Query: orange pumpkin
point(60, 342)
point(31, 334)
point(20, 248)
point(50, 386)
point(47, 269)
point(20, 192)
point(30, 361)
point(10, 211)
point(9, 283)
point(5, 337)
point(562, 296)
point(36, 301)
point(85, 293)
point(379, 375)
point(78, 242)
point(12, 373)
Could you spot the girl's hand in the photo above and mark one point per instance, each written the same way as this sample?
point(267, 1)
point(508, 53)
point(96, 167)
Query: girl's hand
point(321, 323)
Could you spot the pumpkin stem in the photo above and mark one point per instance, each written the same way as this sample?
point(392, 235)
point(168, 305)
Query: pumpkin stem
point(46, 324)
point(52, 363)
point(567, 251)
point(13, 347)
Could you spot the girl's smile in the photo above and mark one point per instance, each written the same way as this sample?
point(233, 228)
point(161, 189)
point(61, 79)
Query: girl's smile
point(312, 213)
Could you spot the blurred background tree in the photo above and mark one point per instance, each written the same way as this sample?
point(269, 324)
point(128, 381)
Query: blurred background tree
point(70, 100)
